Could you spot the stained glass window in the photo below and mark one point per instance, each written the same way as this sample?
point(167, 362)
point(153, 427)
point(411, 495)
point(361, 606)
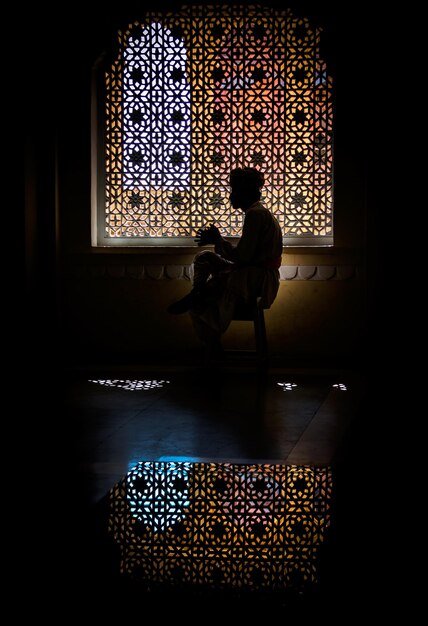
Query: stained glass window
point(191, 94)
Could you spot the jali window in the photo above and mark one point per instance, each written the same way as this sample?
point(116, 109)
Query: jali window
point(189, 95)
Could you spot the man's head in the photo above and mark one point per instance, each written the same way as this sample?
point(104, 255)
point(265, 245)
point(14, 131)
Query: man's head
point(246, 184)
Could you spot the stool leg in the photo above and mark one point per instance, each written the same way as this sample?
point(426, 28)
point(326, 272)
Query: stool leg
point(260, 334)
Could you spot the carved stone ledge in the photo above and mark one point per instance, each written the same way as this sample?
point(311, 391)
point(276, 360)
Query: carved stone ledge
point(185, 272)
point(135, 271)
point(174, 271)
point(288, 272)
point(325, 272)
point(157, 272)
point(306, 272)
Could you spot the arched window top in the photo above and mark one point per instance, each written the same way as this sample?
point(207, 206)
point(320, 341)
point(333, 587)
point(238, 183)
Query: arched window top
point(194, 93)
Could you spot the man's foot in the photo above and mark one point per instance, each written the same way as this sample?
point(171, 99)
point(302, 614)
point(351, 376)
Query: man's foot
point(183, 305)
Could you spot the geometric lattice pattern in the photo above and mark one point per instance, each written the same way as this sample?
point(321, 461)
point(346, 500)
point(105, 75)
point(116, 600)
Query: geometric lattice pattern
point(130, 385)
point(221, 524)
point(194, 93)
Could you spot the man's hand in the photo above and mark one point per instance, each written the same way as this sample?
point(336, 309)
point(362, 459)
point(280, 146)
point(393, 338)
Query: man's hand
point(205, 236)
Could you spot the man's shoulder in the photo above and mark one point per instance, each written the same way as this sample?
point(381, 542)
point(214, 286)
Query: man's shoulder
point(259, 211)
point(257, 207)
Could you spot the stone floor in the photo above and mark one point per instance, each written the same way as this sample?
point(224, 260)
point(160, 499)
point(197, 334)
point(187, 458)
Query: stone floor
point(102, 422)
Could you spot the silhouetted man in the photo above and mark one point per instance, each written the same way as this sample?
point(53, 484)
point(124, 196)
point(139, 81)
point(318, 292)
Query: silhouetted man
point(234, 274)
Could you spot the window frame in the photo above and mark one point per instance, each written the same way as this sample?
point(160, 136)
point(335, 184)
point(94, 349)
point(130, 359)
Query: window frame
point(99, 238)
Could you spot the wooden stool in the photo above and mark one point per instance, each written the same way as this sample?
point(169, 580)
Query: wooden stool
point(253, 312)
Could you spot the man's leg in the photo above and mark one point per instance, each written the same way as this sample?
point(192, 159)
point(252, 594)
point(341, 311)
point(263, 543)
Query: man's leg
point(206, 265)
point(208, 336)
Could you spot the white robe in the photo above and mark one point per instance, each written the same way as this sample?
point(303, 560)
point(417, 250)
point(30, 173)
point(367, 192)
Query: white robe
point(258, 250)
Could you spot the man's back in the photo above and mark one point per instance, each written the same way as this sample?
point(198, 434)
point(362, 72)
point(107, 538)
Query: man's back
point(261, 236)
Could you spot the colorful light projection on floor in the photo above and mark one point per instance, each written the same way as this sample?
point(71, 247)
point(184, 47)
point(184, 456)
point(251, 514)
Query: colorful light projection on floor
point(221, 525)
point(131, 385)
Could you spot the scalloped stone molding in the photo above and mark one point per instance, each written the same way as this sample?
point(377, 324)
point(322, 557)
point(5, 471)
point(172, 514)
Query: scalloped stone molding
point(185, 272)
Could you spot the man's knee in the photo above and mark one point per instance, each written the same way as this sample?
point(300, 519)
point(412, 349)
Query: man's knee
point(206, 258)
point(204, 255)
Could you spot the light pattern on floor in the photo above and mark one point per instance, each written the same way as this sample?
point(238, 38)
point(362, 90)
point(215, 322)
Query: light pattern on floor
point(221, 525)
point(287, 386)
point(341, 387)
point(131, 385)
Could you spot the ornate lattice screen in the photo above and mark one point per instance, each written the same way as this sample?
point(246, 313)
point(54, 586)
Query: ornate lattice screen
point(194, 93)
point(221, 524)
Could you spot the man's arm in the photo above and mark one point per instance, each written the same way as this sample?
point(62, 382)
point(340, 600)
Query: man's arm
point(211, 235)
point(225, 249)
point(245, 249)
point(206, 236)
